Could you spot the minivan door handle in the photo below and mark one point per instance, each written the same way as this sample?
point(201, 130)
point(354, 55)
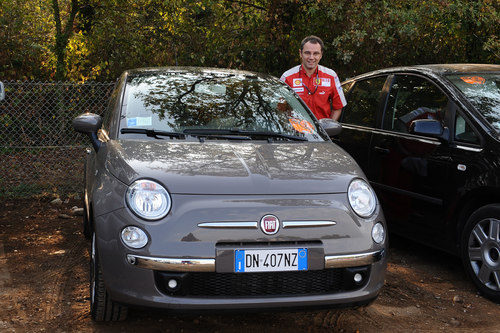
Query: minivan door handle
point(381, 150)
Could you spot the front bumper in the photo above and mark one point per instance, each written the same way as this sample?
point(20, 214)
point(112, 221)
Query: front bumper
point(208, 265)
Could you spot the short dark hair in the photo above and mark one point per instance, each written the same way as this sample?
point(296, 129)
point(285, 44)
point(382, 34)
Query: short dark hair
point(312, 39)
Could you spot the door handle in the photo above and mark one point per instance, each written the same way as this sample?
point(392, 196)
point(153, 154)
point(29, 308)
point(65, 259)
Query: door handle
point(381, 150)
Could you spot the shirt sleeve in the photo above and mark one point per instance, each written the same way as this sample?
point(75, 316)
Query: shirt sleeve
point(338, 99)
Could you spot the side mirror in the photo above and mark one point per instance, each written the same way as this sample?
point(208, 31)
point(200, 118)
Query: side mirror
point(332, 127)
point(2, 92)
point(429, 127)
point(89, 123)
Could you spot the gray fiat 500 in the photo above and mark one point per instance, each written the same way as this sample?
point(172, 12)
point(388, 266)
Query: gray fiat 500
point(217, 189)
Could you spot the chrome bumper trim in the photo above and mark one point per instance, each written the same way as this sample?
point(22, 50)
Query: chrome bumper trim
point(172, 264)
point(208, 265)
point(353, 260)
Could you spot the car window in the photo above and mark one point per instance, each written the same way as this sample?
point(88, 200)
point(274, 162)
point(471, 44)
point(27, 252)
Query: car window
point(109, 110)
point(463, 131)
point(411, 98)
point(483, 91)
point(112, 103)
point(363, 102)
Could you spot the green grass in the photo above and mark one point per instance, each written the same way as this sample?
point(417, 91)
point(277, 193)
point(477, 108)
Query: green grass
point(21, 190)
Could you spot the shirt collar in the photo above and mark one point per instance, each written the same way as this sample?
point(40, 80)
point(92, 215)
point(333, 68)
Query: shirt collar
point(302, 71)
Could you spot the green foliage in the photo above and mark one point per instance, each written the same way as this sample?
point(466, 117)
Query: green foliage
point(24, 190)
point(25, 36)
point(110, 36)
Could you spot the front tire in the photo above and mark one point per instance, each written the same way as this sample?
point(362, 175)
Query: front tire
point(480, 249)
point(102, 308)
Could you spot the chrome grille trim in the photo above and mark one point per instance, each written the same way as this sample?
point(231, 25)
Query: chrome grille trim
point(307, 224)
point(235, 224)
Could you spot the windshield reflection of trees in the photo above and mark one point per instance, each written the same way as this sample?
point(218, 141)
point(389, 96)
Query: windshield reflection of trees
point(245, 103)
point(485, 97)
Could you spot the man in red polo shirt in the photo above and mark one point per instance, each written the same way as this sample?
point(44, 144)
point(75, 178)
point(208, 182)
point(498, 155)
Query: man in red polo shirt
point(318, 86)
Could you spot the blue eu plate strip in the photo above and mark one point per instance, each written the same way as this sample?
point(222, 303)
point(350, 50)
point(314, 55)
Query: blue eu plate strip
point(239, 261)
point(302, 255)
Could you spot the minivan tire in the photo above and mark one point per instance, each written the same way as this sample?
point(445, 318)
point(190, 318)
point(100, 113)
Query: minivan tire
point(480, 250)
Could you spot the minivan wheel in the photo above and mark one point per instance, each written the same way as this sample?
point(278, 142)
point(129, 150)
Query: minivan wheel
point(102, 308)
point(480, 247)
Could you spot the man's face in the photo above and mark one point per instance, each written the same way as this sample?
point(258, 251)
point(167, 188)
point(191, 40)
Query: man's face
point(310, 55)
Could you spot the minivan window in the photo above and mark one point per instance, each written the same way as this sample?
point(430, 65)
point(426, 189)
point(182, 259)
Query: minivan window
point(483, 91)
point(411, 98)
point(463, 131)
point(363, 102)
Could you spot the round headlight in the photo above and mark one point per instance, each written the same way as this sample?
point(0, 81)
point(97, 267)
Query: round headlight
point(134, 237)
point(378, 233)
point(361, 198)
point(148, 199)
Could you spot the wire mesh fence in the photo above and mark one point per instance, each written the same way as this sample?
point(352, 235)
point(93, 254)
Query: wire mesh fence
point(39, 150)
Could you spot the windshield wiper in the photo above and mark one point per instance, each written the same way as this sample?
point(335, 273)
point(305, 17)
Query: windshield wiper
point(267, 134)
point(277, 135)
point(213, 133)
point(153, 133)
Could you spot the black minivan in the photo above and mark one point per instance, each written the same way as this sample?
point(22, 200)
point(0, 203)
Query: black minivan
point(428, 139)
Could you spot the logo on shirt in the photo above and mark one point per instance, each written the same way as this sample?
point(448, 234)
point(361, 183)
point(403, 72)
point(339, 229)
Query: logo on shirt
point(325, 82)
point(297, 82)
point(298, 89)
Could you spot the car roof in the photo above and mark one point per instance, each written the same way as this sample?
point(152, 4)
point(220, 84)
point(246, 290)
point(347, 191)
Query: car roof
point(194, 70)
point(436, 69)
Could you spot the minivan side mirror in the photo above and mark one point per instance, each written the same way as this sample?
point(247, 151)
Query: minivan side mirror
point(332, 127)
point(89, 123)
point(429, 127)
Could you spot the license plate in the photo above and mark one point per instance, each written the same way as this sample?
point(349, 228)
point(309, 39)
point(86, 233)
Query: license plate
point(270, 260)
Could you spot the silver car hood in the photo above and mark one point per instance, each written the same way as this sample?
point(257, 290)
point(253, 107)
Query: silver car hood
point(233, 168)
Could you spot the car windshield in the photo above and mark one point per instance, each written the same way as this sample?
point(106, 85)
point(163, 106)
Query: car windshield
point(215, 105)
point(483, 91)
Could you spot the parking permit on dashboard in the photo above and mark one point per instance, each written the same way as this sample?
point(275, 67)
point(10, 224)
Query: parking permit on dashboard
point(301, 125)
point(139, 121)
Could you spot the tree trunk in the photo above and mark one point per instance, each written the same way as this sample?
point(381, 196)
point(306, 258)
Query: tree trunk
point(62, 36)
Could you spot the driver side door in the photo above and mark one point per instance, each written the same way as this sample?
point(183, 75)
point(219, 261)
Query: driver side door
point(410, 172)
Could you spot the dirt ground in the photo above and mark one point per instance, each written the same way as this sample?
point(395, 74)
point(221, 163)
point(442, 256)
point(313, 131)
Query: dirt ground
point(44, 287)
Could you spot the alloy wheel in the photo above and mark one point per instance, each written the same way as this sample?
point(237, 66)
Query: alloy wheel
point(484, 252)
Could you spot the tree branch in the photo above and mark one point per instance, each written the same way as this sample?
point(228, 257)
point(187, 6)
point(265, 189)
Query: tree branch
point(71, 19)
point(57, 17)
point(247, 4)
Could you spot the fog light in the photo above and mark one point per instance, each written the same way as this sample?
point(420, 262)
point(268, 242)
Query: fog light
point(134, 237)
point(378, 233)
point(172, 283)
point(358, 278)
